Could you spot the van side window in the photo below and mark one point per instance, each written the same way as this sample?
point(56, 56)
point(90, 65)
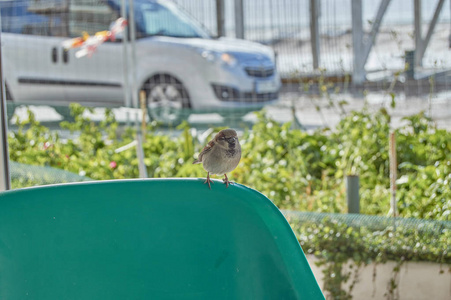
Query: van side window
point(44, 18)
point(89, 16)
point(65, 18)
point(20, 17)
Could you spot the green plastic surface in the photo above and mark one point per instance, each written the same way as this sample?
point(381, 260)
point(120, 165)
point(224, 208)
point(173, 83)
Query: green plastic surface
point(148, 239)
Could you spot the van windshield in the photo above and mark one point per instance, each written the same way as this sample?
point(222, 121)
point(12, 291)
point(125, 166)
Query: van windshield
point(168, 20)
point(163, 18)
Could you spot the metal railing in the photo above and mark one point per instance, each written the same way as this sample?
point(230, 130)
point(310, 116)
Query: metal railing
point(336, 36)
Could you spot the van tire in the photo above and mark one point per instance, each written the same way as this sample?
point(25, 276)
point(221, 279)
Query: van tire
point(167, 99)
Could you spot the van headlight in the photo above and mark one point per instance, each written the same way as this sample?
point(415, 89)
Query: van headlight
point(228, 59)
point(221, 57)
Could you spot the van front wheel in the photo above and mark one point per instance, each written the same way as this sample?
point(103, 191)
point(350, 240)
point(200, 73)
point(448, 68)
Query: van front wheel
point(167, 99)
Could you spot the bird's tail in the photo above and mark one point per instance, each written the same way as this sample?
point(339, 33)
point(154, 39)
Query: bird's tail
point(196, 162)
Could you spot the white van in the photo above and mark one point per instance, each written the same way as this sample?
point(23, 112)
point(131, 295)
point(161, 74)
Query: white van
point(178, 64)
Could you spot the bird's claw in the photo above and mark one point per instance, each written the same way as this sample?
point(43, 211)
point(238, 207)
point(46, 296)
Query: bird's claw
point(208, 180)
point(226, 181)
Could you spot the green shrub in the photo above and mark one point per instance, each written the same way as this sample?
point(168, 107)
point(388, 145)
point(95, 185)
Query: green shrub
point(336, 241)
point(295, 169)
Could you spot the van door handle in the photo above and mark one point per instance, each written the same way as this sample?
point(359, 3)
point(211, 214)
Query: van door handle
point(65, 55)
point(54, 55)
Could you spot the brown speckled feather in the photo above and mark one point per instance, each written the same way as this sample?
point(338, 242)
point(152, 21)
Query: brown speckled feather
point(205, 150)
point(208, 147)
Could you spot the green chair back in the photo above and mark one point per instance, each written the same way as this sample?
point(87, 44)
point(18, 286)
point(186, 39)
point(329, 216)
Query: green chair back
point(148, 239)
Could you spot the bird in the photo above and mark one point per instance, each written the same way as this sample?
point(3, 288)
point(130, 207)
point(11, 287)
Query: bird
point(221, 155)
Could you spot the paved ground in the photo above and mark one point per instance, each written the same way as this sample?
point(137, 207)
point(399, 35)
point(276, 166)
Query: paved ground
point(312, 111)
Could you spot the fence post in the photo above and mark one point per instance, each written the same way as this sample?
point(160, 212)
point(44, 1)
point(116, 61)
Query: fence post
point(142, 100)
point(140, 154)
point(125, 68)
point(132, 27)
point(5, 180)
point(393, 174)
point(358, 73)
point(410, 63)
point(352, 194)
point(220, 17)
point(314, 31)
point(449, 37)
point(421, 43)
point(418, 32)
point(239, 19)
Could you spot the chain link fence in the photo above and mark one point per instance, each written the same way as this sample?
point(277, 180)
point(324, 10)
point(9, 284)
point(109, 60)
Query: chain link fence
point(181, 74)
point(285, 26)
point(23, 175)
point(373, 223)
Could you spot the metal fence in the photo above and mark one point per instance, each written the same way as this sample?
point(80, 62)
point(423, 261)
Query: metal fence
point(345, 41)
point(286, 25)
point(314, 41)
point(306, 34)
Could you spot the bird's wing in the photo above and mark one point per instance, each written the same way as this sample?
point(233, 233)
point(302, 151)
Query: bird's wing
point(205, 150)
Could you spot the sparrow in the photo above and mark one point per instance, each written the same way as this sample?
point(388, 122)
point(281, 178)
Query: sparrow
point(221, 155)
